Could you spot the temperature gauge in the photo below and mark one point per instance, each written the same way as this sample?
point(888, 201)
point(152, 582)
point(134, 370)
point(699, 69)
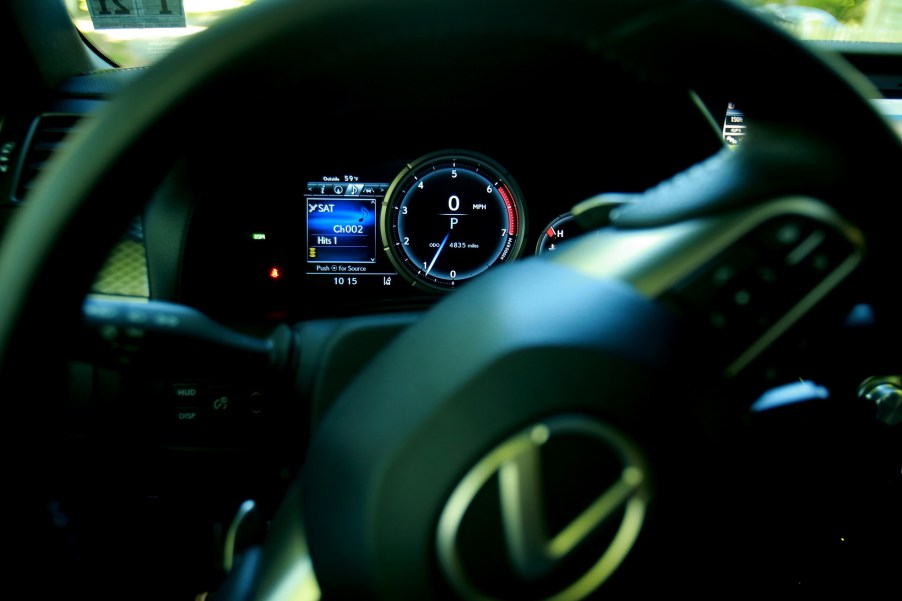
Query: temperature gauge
point(562, 228)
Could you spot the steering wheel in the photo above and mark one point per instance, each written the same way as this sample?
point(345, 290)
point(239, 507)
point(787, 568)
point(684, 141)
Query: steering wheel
point(529, 445)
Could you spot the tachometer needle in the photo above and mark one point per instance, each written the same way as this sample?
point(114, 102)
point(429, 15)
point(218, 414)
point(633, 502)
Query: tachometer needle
point(438, 252)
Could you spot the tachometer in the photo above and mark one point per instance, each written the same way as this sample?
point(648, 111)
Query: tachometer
point(451, 215)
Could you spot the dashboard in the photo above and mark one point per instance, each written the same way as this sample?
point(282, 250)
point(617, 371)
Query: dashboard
point(375, 207)
point(337, 220)
point(282, 219)
point(389, 210)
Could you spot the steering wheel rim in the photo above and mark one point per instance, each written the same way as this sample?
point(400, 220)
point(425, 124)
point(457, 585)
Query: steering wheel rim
point(56, 242)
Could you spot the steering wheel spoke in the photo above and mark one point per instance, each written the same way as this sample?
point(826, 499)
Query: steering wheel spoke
point(743, 277)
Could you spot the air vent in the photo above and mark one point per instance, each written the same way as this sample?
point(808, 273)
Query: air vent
point(47, 135)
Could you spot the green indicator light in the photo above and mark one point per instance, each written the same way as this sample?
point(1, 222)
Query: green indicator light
point(258, 236)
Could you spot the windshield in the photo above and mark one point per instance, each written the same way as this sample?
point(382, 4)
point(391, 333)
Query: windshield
point(134, 33)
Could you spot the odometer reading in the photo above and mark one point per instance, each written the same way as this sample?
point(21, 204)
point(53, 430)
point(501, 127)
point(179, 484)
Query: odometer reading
point(450, 216)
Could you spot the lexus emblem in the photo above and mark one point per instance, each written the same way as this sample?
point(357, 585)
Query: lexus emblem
point(534, 555)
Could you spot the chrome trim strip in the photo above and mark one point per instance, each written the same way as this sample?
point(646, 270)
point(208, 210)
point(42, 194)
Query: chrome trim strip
point(286, 572)
point(228, 553)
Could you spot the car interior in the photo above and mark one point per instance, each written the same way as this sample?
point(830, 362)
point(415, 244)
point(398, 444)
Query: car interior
point(415, 299)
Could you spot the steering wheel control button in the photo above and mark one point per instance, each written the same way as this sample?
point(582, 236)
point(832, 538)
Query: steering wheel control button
point(756, 288)
point(559, 505)
point(449, 216)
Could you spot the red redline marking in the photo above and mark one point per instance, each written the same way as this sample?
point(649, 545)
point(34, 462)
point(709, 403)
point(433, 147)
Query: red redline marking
point(511, 213)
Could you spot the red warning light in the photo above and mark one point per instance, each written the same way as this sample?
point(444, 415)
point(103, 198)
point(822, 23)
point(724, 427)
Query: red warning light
point(275, 273)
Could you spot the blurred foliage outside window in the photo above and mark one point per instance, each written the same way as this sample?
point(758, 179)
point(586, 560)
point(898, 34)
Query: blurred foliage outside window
point(835, 20)
point(138, 47)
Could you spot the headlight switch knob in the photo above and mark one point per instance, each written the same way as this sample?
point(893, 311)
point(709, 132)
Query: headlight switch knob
point(886, 393)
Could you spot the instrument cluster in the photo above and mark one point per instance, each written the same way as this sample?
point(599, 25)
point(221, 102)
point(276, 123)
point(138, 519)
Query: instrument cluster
point(403, 234)
point(391, 209)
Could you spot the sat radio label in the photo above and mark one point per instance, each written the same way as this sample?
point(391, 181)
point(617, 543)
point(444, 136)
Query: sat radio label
point(341, 230)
